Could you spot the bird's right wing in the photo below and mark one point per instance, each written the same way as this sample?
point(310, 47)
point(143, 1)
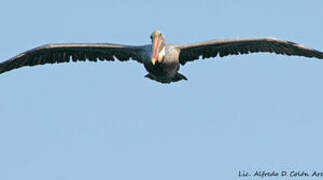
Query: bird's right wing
point(225, 47)
point(59, 53)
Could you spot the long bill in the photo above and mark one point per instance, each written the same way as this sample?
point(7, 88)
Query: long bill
point(156, 49)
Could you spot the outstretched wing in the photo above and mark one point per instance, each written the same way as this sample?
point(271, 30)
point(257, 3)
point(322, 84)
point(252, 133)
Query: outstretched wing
point(59, 53)
point(225, 47)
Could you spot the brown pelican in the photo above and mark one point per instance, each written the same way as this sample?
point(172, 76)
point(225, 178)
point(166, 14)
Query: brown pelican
point(161, 60)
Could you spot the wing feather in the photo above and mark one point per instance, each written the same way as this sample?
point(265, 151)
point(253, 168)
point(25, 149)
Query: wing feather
point(225, 47)
point(59, 53)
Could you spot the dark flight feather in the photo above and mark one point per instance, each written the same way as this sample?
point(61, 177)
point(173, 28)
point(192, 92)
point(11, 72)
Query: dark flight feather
point(60, 53)
point(225, 47)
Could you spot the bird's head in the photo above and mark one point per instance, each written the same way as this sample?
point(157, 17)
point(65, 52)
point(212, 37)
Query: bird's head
point(158, 44)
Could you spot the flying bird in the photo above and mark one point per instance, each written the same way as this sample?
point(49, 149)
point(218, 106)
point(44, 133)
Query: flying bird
point(162, 61)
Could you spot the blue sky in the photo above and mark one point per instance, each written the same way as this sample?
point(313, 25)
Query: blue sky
point(106, 121)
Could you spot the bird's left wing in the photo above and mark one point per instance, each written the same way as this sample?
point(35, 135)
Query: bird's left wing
point(59, 53)
point(225, 47)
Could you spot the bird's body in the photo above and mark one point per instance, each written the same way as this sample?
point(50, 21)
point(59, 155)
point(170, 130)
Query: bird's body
point(161, 60)
point(165, 71)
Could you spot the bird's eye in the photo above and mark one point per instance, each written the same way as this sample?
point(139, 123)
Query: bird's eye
point(151, 37)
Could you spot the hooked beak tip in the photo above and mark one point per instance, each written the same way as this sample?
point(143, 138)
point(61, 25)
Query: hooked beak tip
point(153, 60)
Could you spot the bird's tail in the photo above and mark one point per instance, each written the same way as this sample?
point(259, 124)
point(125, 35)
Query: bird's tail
point(176, 78)
point(179, 77)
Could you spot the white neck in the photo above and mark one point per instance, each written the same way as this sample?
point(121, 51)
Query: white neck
point(161, 54)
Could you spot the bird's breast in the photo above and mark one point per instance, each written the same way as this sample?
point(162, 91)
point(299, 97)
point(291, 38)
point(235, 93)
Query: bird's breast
point(168, 66)
point(161, 69)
